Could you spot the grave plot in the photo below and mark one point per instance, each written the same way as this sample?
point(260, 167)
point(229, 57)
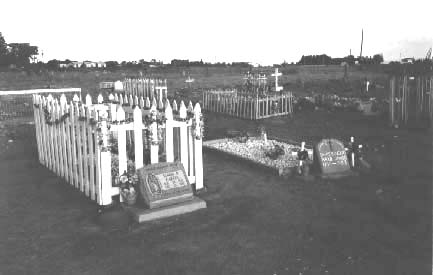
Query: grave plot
point(87, 143)
point(272, 154)
point(256, 100)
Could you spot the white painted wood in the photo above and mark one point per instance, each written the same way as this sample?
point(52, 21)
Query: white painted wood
point(69, 148)
point(154, 146)
point(183, 132)
point(121, 141)
point(73, 116)
point(138, 137)
point(198, 154)
point(106, 185)
point(79, 148)
point(148, 103)
point(51, 138)
point(169, 149)
point(85, 160)
point(64, 148)
point(90, 142)
point(37, 127)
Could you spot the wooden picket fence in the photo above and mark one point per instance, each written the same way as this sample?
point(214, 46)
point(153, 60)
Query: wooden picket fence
point(75, 139)
point(146, 87)
point(246, 105)
point(410, 100)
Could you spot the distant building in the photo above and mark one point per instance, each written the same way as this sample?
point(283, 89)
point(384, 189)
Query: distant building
point(88, 64)
point(101, 64)
point(408, 60)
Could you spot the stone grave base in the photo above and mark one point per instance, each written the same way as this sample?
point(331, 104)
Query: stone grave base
point(334, 176)
point(141, 214)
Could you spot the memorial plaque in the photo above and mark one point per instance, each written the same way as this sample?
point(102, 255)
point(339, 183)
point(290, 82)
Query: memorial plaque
point(164, 184)
point(332, 157)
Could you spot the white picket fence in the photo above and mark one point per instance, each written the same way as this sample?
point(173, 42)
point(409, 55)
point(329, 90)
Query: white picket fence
point(146, 87)
point(73, 139)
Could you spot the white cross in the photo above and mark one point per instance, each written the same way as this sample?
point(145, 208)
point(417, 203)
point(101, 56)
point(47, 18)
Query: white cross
point(277, 74)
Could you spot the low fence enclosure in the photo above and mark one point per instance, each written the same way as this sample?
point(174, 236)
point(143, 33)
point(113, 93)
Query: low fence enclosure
point(248, 106)
point(146, 87)
point(89, 145)
point(410, 100)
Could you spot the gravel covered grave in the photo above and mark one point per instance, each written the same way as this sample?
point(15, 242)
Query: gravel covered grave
point(255, 150)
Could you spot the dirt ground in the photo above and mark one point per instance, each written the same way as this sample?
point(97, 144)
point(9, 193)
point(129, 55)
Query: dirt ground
point(255, 223)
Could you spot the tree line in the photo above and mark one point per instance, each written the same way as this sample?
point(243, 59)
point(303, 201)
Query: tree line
point(16, 54)
point(350, 60)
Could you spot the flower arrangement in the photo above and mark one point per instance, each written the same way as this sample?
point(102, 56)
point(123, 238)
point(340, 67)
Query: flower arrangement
point(127, 181)
point(274, 152)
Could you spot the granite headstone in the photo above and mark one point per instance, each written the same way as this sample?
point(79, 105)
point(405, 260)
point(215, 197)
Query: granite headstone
point(164, 184)
point(331, 157)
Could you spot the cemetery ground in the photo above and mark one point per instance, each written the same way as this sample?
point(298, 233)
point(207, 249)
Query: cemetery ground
point(255, 223)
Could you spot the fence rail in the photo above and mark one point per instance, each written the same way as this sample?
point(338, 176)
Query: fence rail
point(246, 105)
point(79, 141)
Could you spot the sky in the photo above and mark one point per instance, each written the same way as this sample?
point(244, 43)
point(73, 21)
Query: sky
point(264, 32)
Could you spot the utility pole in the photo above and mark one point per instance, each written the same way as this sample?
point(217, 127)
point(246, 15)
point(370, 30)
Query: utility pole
point(362, 42)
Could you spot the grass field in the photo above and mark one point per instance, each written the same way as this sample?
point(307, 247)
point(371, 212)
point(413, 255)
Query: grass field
point(328, 79)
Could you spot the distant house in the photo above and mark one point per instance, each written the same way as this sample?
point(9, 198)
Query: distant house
point(77, 64)
point(101, 64)
point(408, 60)
point(66, 64)
point(87, 64)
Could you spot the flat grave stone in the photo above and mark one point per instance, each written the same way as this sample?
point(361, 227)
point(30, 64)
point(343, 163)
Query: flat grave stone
point(165, 191)
point(163, 184)
point(332, 158)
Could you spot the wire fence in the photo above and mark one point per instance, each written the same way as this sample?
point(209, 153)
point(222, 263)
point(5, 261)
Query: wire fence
point(19, 104)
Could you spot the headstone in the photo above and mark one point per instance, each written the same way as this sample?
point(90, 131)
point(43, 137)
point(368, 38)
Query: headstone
point(164, 184)
point(332, 158)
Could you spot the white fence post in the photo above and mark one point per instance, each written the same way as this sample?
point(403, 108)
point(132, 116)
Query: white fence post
point(183, 138)
point(121, 141)
point(169, 152)
point(198, 143)
point(154, 145)
point(138, 137)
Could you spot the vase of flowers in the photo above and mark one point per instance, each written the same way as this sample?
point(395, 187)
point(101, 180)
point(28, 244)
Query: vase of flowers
point(127, 183)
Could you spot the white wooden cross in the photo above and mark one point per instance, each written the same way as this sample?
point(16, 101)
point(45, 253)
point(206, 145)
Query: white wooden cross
point(277, 74)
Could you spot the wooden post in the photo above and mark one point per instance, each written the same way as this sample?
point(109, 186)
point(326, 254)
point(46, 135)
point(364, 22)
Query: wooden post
point(183, 131)
point(169, 133)
point(121, 142)
point(154, 147)
point(198, 143)
point(138, 137)
point(85, 160)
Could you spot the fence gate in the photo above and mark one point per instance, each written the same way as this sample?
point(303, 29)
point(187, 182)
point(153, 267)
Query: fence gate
point(19, 104)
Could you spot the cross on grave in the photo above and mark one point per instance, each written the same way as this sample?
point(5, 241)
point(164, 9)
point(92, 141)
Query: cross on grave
point(277, 74)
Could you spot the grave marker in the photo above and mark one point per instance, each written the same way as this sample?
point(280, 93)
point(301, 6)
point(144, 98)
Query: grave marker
point(164, 184)
point(332, 158)
point(277, 74)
